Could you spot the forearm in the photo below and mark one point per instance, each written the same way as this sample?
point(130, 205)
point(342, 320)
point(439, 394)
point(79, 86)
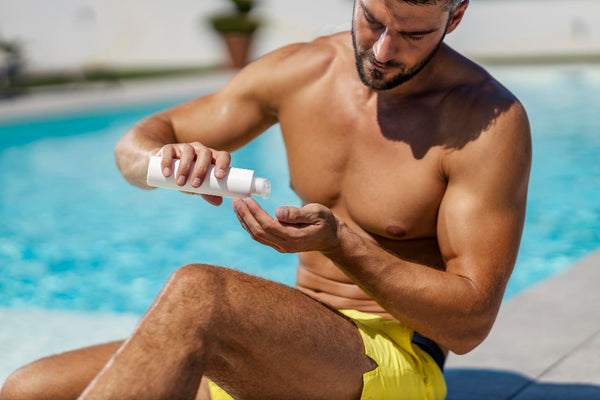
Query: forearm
point(444, 306)
point(133, 151)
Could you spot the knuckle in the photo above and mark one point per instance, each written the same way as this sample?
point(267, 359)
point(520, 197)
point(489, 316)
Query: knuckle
point(258, 232)
point(184, 164)
point(187, 149)
point(199, 149)
point(166, 151)
point(316, 208)
point(206, 151)
point(224, 156)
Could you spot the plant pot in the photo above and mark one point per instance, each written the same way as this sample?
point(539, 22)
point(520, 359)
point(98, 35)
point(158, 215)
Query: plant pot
point(238, 45)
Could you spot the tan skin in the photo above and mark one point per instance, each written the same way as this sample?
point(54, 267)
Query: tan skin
point(416, 214)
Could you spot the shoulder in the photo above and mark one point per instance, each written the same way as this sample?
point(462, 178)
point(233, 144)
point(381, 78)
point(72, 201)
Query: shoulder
point(490, 112)
point(309, 57)
point(481, 110)
point(490, 131)
point(482, 99)
point(284, 71)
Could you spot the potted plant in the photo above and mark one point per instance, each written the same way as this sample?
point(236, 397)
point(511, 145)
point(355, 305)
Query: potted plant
point(237, 29)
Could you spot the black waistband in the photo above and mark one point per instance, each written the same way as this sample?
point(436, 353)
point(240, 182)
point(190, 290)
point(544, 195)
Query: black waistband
point(431, 348)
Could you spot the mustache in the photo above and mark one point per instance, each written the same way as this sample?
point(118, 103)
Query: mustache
point(368, 54)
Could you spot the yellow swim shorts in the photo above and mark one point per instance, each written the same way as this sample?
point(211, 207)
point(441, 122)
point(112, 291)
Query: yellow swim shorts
point(404, 370)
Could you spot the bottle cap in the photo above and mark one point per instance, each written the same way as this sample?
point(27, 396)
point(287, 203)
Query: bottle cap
point(261, 187)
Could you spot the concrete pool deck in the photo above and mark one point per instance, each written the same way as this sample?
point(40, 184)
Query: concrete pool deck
point(88, 96)
point(545, 344)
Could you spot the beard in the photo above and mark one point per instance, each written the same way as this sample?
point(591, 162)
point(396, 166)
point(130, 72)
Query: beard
point(375, 79)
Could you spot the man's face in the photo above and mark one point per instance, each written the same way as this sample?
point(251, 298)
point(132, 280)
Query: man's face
point(393, 40)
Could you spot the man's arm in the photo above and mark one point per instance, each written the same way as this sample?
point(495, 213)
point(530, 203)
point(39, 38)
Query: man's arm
point(209, 127)
point(480, 222)
point(479, 229)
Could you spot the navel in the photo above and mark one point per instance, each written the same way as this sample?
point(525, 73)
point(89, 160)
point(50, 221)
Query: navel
point(396, 231)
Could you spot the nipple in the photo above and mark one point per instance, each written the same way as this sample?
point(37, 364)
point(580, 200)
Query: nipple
point(396, 231)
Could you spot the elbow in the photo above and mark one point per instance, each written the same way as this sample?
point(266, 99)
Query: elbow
point(476, 315)
point(471, 329)
point(468, 339)
point(132, 157)
point(466, 343)
point(127, 153)
point(124, 159)
point(119, 153)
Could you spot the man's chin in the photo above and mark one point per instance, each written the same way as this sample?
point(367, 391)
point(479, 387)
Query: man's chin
point(382, 84)
point(380, 80)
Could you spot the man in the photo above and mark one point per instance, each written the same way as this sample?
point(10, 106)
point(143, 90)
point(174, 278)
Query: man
point(413, 166)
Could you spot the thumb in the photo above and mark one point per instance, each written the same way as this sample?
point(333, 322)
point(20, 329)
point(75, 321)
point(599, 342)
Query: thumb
point(291, 215)
point(294, 215)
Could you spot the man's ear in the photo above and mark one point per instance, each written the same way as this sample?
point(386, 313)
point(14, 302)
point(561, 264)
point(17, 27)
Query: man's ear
point(457, 16)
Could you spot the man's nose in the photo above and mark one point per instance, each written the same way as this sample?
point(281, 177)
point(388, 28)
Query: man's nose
point(384, 49)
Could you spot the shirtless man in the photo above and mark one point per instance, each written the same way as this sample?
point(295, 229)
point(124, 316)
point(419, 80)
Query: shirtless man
point(413, 165)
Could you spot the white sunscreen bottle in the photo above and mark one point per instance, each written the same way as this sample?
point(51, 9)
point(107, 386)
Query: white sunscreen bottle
point(237, 182)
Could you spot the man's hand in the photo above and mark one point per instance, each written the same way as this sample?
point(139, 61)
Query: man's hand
point(202, 156)
point(310, 228)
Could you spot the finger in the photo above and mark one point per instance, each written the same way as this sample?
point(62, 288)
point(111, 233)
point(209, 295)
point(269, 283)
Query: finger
point(244, 225)
point(214, 200)
point(295, 215)
point(203, 162)
point(186, 158)
point(270, 225)
point(258, 212)
point(222, 160)
point(239, 217)
point(256, 230)
point(166, 164)
point(237, 205)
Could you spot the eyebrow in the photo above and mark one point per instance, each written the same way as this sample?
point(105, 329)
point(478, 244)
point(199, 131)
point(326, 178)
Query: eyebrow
point(370, 16)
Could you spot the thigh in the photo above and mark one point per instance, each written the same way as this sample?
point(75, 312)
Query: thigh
point(273, 341)
point(62, 376)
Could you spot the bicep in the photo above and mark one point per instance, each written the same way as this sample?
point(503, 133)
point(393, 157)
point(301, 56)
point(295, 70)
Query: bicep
point(250, 102)
point(241, 110)
point(482, 213)
point(479, 238)
point(224, 120)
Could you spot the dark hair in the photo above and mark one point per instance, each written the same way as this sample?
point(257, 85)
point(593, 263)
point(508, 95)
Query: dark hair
point(450, 5)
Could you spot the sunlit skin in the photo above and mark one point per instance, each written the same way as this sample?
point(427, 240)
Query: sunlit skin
point(390, 49)
point(414, 183)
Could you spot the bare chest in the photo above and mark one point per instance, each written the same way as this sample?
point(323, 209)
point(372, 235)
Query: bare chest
point(375, 178)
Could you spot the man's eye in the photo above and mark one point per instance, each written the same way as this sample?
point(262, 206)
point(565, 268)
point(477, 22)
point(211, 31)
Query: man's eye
point(414, 37)
point(371, 21)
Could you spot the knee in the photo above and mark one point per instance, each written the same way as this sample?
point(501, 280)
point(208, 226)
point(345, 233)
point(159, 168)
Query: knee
point(194, 281)
point(25, 383)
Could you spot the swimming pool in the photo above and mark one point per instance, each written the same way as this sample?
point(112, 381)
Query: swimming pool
point(75, 235)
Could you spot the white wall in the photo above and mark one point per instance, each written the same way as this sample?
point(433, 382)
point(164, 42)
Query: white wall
point(529, 27)
point(70, 34)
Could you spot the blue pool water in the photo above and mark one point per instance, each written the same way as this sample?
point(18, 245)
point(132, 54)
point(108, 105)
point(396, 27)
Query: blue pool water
point(75, 235)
